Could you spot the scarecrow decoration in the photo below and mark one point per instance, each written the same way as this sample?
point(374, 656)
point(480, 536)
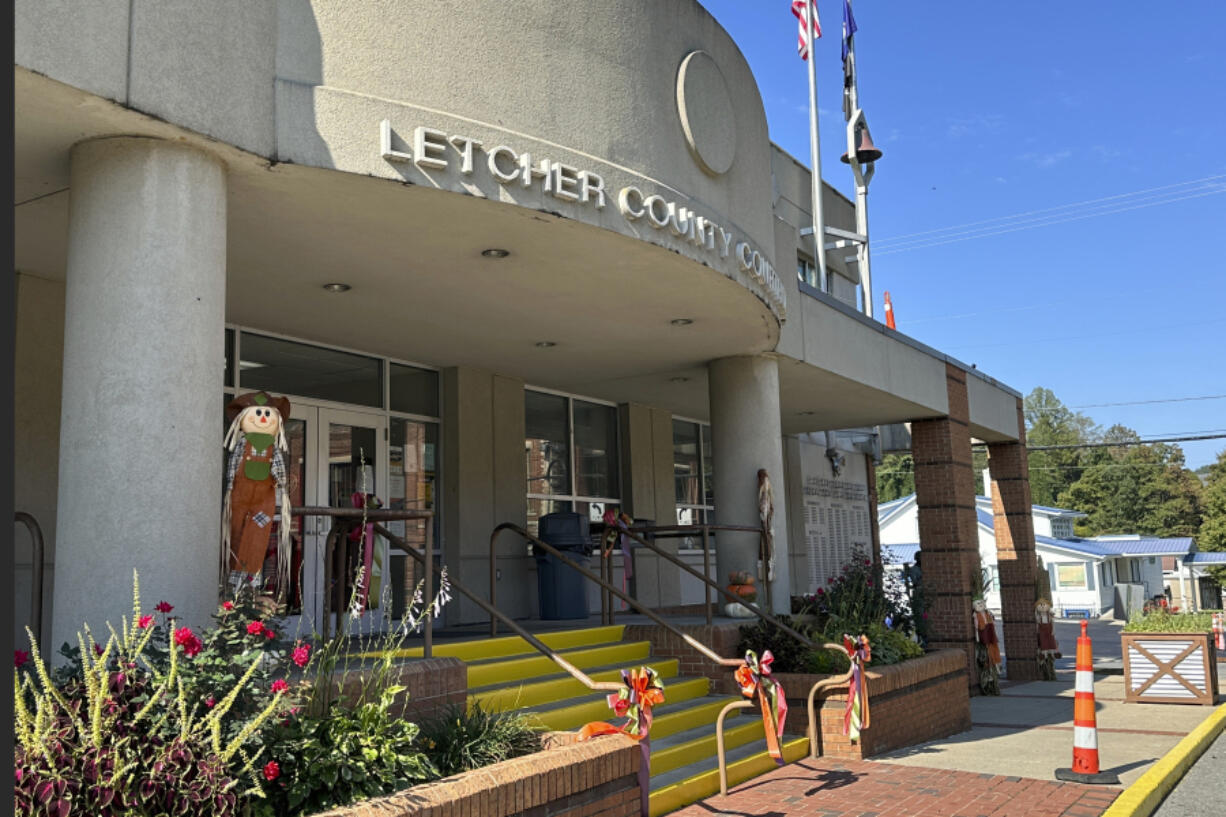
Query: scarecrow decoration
point(987, 648)
point(256, 487)
point(766, 512)
point(1049, 648)
point(754, 679)
point(855, 715)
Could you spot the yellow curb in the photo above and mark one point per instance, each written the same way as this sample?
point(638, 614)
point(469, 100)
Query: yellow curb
point(1142, 797)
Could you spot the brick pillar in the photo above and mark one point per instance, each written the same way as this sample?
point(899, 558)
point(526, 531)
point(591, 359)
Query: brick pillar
point(1015, 552)
point(948, 526)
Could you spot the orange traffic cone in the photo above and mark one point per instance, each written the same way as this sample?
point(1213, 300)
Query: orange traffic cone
point(1219, 634)
point(1085, 725)
point(889, 312)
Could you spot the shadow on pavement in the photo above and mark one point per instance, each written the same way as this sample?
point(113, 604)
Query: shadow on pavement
point(833, 779)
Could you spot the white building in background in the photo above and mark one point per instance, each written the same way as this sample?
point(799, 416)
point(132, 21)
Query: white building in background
point(1084, 572)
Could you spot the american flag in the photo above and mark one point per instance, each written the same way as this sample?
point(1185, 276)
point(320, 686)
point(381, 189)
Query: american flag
point(801, 8)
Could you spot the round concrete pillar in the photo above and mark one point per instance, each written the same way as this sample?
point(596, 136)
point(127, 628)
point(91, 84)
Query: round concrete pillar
point(140, 435)
point(746, 436)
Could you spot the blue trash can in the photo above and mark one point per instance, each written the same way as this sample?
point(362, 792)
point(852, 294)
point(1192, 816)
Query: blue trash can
point(562, 591)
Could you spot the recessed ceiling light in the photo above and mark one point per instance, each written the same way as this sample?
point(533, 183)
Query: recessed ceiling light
point(681, 321)
point(337, 287)
point(495, 252)
point(545, 344)
point(678, 380)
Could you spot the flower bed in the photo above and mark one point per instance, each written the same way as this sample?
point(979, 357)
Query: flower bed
point(918, 700)
point(599, 776)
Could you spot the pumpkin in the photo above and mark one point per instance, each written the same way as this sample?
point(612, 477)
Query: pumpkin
point(744, 591)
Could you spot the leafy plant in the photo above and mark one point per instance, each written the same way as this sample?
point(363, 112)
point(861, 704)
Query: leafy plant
point(1162, 621)
point(461, 739)
point(124, 737)
point(347, 754)
point(790, 654)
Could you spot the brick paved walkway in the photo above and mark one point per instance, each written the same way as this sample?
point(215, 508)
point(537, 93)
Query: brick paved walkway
point(846, 788)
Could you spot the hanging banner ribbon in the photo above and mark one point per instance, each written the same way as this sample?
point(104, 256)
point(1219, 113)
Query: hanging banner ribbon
point(366, 535)
point(855, 716)
point(753, 677)
point(642, 689)
point(620, 522)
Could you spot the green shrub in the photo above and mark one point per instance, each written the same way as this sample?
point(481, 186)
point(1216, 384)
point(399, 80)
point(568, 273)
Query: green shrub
point(1161, 621)
point(828, 662)
point(461, 739)
point(890, 646)
point(790, 654)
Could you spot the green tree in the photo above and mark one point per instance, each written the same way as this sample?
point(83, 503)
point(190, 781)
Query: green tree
point(1050, 422)
point(895, 477)
point(1212, 535)
point(1136, 489)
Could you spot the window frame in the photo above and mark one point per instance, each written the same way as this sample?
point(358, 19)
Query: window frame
point(1085, 581)
point(704, 510)
point(572, 452)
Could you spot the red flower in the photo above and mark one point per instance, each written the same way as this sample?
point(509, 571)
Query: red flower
point(97, 649)
point(279, 686)
point(163, 607)
point(255, 628)
point(144, 622)
point(301, 655)
point(268, 633)
point(868, 561)
point(20, 657)
point(830, 580)
point(227, 605)
point(821, 592)
point(209, 702)
point(188, 640)
point(271, 770)
point(925, 616)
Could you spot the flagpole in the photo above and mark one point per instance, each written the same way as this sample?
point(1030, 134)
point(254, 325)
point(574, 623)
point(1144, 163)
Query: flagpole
point(815, 147)
point(861, 177)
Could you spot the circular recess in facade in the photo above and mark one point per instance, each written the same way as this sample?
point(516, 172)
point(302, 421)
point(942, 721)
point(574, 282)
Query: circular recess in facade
point(707, 115)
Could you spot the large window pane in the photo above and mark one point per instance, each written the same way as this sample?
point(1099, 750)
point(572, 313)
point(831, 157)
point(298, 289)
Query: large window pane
point(412, 484)
point(687, 468)
point(286, 367)
point(414, 391)
point(540, 507)
point(547, 443)
point(596, 450)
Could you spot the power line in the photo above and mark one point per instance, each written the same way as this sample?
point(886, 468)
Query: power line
point(1047, 223)
point(1124, 443)
point(1134, 193)
point(1131, 403)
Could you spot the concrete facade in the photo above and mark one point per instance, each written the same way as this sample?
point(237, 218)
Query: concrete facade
point(651, 235)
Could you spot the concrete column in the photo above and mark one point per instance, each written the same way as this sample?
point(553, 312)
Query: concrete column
point(746, 436)
point(948, 527)
point(140, 462)
point(1015, 552)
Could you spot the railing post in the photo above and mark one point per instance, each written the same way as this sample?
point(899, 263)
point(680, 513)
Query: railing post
point(706, 570)
point(428, 647)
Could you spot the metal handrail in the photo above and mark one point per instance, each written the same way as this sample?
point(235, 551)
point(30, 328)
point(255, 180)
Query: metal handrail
point(340, 527)
point(703, 649)
point(576, 673)
point(36, 579)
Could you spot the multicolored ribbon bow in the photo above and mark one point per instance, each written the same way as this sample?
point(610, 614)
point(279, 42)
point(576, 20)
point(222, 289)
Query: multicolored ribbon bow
point(365, 534)
point(642, 689)
point(855, 716)
point(753, 677)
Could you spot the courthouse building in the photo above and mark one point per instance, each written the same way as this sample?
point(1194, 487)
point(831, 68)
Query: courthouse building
point(504, 259)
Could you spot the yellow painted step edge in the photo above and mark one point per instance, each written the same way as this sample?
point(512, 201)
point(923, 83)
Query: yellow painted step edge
point(706, 783)
point(597, 709)
point(479, 648)
point(516, 669)
point(535, 693)
point(1143, 797)
point(735, 734)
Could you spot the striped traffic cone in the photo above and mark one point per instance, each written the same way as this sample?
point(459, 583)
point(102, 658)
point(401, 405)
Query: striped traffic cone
point(889, 312)
point(1085, 726)
point(1219, 634)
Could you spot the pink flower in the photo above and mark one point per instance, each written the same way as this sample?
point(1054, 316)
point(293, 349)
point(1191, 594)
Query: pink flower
point(227, 605)
point(925, 616)
point(830, 580)
point(163, 607)
point(188, 640)
point(821, 592)
point(209, 702)
point(870, 582)
point(868, 561)
point(20, 657)
point(279, 686)
point(255, 628)
point(271, 770)
point(97, 649)
point(301, 655)
point(144, 622)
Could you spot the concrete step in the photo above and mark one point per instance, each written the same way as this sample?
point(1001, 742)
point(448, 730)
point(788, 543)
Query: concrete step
point(492, 671)
point(557, 686)
point(673, 789)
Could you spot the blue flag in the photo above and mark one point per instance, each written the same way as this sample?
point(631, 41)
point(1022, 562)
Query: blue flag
point(849, 28)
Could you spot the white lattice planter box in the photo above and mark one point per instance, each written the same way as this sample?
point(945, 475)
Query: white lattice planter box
point(1173, 668)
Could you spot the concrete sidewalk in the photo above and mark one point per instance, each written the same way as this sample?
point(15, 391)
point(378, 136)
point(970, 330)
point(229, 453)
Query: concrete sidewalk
point(1028, 731)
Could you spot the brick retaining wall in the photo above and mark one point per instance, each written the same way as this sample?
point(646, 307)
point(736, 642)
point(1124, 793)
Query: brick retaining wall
point(596, 778)
point(431, 685)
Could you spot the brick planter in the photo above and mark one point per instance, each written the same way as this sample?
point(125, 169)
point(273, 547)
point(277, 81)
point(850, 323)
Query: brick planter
point(595, 778)
point(431, 685)
point(916, 701)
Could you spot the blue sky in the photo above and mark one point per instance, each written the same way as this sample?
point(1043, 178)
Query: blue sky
point(990, 110)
